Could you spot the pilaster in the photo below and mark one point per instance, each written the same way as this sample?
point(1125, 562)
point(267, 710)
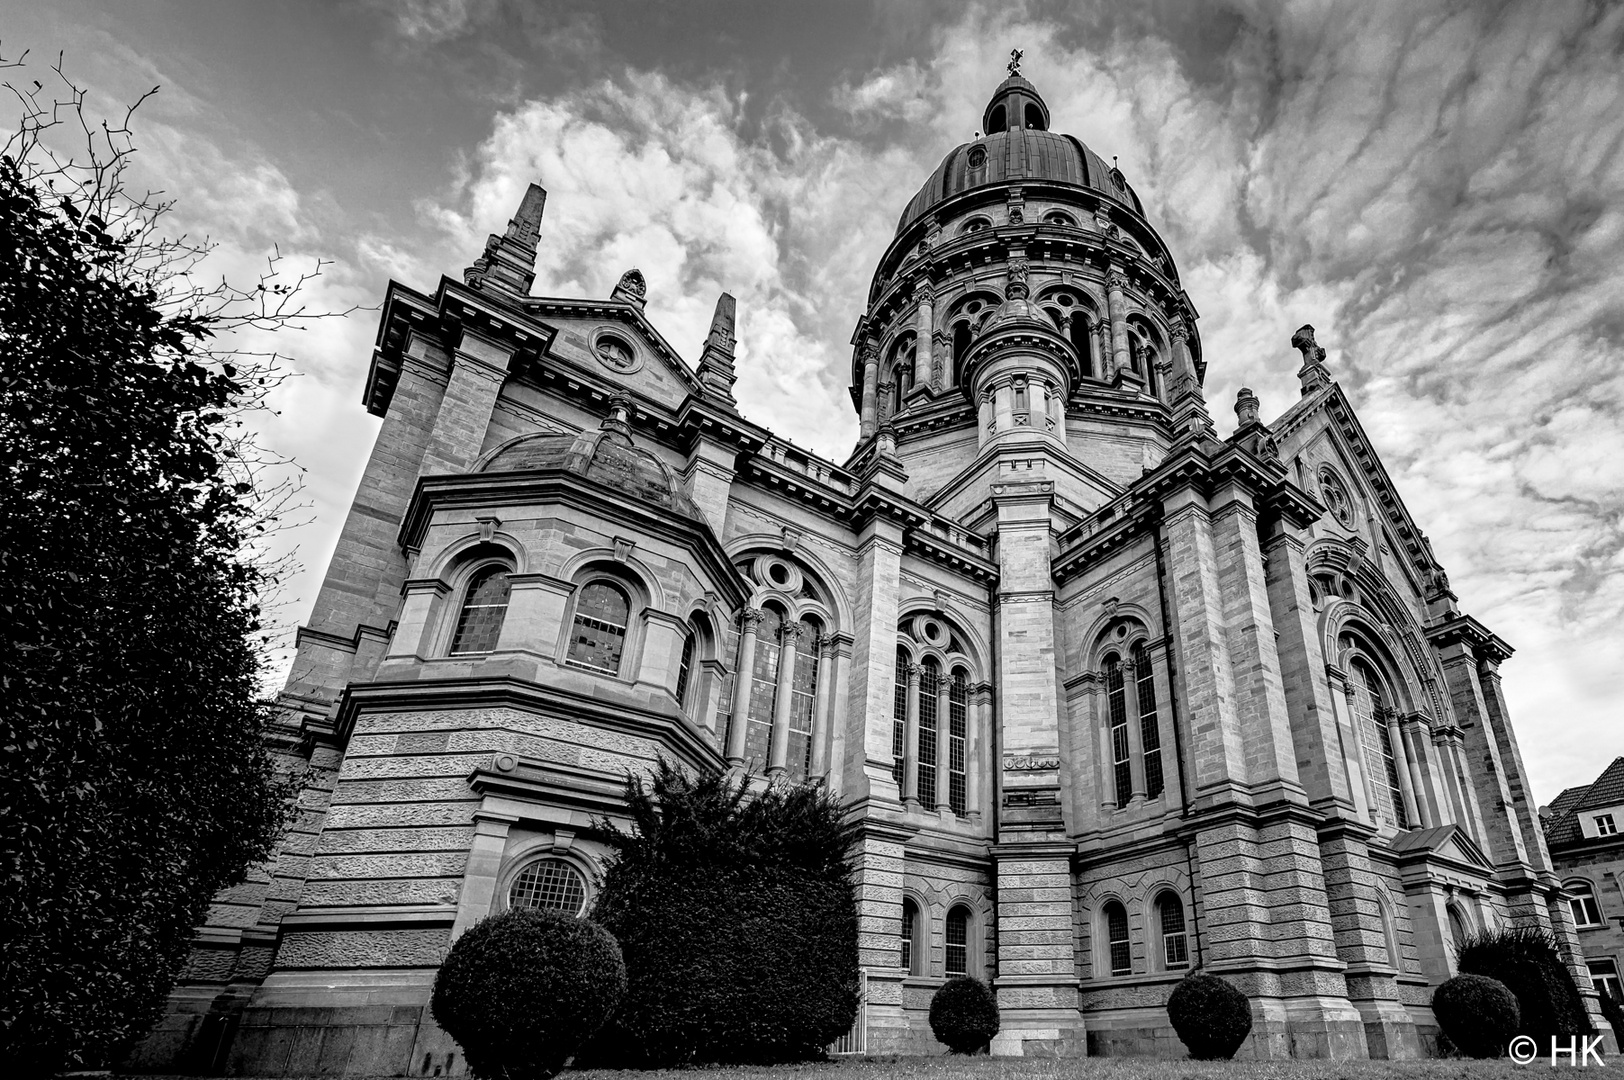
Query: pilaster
point(873, 663)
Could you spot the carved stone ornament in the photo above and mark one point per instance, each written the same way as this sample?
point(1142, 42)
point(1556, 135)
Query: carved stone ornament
point(1334, 494)
point(1031, 763)
point(632, 287)
point(1017, 288)
point(1016, 216)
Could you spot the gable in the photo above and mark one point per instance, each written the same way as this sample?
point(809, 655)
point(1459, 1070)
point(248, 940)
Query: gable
point(611, 344)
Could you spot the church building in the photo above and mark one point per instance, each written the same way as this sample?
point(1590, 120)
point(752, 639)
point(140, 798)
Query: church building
point(1114, 697)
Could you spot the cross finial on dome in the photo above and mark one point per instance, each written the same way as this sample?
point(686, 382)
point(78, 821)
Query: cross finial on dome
point(1015, 60)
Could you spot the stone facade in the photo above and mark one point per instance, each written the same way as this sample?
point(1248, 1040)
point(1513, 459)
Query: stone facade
point(1113, 697)
point(1584, 829)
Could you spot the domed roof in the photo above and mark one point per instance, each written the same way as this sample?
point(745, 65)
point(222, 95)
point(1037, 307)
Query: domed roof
point(606, 457)
point(1017, 146)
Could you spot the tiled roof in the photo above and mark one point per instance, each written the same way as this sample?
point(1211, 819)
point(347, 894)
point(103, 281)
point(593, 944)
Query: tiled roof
point(1608, 790)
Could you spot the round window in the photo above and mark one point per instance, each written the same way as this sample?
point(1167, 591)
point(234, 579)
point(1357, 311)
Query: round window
point(614, 352)
point(779, 573)
point(978, 156)
point(552, 884)
point(1064, 301)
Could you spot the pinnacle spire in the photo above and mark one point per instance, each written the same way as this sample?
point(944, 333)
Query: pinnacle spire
point(716, 374)
point(509, 261)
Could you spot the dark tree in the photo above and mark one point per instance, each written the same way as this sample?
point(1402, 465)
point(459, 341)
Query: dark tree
point(133, 781)
point(1527, 961)
point(736, 916)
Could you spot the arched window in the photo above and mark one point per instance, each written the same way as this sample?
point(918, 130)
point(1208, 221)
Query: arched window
point(961, 342)
point(1081, 333)
point(598, 634)
point(1116, 698)
point(910, 927)
point(999, 120)
point(958, 728)
point(484, 605)
point(685, 668)
point(763, 676)
point(1389, 933)
point(1150, 738)
point(958, 941)
point(899, 720)
point(1582, 902)
point(1381, 764)
point(1175, 941)
point(1458, 929)
point(1119, 951)
point(1034, 117)
point(930, 677)
point(803, 699)
point(552, 884)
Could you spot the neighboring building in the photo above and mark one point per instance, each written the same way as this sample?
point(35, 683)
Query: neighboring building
point(1114, 697)
point(1584, 828)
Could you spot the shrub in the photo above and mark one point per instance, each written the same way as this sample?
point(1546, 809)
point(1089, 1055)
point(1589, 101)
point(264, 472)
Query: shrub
point(964, 1015)
point(1210, 1015)
point(1527, 961)
point(1614, 1012)
point(737, 921)
point(1479, 1014)
point(522, 991)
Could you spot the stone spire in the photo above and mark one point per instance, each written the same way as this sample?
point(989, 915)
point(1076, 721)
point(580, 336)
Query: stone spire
point(509, 261)
point(1312, 374)
point(716, 374)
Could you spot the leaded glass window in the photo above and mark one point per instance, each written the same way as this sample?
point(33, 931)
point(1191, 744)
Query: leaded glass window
point(1381, 765)
point(598, 635)
point(763, 688)
point(803, 700)
point(899, 720)
point(1117, 702)
point(552, 884)
point(1175, 942)
point(685, 669)
point(1150, 735)
point(1116, 936)
point(479, 624)
point(958, 728)
point(910, 916)
point(930, 677)
point(958, 942)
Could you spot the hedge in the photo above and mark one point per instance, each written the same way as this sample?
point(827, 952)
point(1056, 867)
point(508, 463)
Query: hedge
point(1478, 1014)
point(1210, 1015)
point(964, 1015)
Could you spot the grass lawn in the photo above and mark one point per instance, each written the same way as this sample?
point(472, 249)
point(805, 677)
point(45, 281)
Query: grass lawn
point(984, 1068)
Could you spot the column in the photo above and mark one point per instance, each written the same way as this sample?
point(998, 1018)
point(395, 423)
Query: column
point(748, 621)
point(1115, 283)
point(944, 743)
point(978, 749)
point(866, 760)
point(1003, 406)
point(1427, 802)
point(870, 356)
point(910, 742)
point(788, 636)
point(984, 418)
point(481, 871)
point(941, 362)
point(923, 337)
point(535, 614)
point(420, 614)
point(1406, 786)
point(478, 370)
point(823, 711)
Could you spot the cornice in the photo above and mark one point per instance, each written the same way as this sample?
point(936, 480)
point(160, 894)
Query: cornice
point(1460, 629)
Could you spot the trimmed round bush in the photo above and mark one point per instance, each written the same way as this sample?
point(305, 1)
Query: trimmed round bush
point(523, 990)
point(1479, 1014)
point(964, 1014)
point(1211, 1016)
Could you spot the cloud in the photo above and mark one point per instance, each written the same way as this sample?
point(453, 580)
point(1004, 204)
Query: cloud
point(429, 22)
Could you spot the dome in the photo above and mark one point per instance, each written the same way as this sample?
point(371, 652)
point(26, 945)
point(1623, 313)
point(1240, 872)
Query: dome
point(607, 457)
point(1018, 146)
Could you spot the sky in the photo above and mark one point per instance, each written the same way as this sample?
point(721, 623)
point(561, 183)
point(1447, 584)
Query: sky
point(1437, 187)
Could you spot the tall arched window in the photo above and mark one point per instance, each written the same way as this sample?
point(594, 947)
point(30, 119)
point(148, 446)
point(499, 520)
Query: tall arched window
point(803, 700)
point(899, 721)
point(1082, 339)
point(763, 676)
point(685, 668)
point(484, 605)
point(958, 941)
point(1370, 718)
point(930, 675)
point(598, 633)
point(1119, 951)
point(1458, 929)
point(958, 729)
point(910, 926)
point(1150, 738)
point(1389, 932)
point(961, 342)
point(1116, 700)
point(1582, 902)
point(1175, 941)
